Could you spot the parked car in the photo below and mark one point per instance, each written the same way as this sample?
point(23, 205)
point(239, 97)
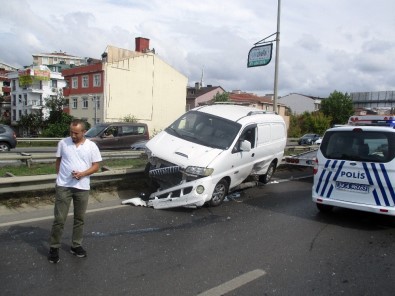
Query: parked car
point(318, 142)
point(308, 139)
point(7, 138)
point(117, 135)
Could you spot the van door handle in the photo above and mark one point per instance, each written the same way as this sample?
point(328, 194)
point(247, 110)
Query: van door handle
point(253, 154)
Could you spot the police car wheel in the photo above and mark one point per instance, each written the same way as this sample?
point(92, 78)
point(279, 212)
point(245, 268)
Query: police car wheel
point(219, 193)
point(324, 208)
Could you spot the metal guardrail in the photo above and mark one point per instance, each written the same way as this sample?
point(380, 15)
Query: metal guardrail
point(12, 184)
point(28, 158)
point(43, 182)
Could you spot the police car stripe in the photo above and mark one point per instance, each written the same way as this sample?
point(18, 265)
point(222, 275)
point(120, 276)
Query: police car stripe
point(339, 168)
point(374, 192)
point(325, 179)
point(380, 184)
point(317, 189)
point(388, 182)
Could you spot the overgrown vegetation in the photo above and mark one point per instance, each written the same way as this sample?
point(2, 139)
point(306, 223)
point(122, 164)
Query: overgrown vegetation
point(336, 109)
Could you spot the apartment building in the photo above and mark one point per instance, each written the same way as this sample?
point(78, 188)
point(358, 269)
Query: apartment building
point(30, 88)
point(127, 83)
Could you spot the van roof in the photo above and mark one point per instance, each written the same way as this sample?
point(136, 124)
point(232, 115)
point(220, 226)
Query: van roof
point(237, 113)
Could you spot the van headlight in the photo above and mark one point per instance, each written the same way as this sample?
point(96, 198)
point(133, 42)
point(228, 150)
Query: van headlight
point(199, 171)
point(148, 152)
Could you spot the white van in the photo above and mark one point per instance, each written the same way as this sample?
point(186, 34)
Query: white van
point(210, 150)
point(355, 169)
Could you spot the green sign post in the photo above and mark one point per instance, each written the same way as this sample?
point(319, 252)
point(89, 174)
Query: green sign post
point(260, 55)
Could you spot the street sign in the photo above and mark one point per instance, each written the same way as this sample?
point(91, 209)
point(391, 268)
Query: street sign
point(260, 55)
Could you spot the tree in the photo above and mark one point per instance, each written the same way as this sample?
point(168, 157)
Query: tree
point(307, 122)
point(59, 129)
point(130, 118)
point(31, 123)
point(55, 105)
point(224, 97)
point(338, 106)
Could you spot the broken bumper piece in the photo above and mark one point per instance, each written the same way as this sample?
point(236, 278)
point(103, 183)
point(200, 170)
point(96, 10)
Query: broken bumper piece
point(182, 195)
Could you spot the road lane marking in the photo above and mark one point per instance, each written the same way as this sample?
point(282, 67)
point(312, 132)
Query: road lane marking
point(234, 283)
point(51, 217)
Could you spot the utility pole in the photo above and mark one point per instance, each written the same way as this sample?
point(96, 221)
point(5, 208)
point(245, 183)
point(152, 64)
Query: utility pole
point(277, 57)
point(95, 100)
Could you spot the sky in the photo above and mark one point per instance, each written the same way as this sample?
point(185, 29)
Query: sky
point(324, 45)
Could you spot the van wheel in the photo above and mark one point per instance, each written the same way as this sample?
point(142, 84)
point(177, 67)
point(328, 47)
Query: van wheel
point(324, 208)
point(220, 191)
point(269, 174)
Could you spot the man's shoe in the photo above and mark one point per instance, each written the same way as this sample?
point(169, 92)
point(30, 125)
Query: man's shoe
point(53, 256)
point(78, 251)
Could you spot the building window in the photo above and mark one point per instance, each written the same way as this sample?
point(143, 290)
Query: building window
point(97, 80)
point(85, 103)
point(25, 99)
point(75, 103)
point(44, 60)
point(13, 100)
point(85, 83)
point(74, 82)
point(54, 83)
point(13, 85)
point(97, 101)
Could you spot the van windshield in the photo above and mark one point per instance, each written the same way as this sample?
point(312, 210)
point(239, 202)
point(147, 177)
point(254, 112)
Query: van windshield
point(366, 146)
point(94, 131)
point(205, 129)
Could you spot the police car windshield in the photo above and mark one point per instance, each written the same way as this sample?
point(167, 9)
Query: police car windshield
point(205, 129)
point(366, 146)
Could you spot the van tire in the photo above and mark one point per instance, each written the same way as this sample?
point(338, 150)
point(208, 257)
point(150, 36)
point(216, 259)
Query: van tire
point(269, 174)
point(219, 193)
point(324, 208)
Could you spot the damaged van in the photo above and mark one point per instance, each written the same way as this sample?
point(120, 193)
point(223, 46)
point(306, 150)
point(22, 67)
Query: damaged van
point(210, 151)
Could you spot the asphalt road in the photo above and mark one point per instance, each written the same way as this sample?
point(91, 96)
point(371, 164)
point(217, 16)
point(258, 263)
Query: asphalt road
point(270, 240)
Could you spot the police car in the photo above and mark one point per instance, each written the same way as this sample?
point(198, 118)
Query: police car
point(355, 169)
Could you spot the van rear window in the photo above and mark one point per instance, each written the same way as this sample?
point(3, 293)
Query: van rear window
point(366, 146)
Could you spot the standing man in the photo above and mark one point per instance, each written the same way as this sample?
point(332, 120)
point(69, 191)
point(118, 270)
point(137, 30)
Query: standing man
point(76, 159)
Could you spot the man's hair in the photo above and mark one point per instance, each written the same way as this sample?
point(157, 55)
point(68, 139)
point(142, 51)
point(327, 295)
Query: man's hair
point(79, 121)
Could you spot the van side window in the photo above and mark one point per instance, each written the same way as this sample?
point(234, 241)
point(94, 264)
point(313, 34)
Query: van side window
point(248, 134)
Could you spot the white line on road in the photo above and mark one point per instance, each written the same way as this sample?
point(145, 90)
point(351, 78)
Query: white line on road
point(234, 283)
point(51, 217)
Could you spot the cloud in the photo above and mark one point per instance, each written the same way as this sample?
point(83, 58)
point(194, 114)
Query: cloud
point(325, 45)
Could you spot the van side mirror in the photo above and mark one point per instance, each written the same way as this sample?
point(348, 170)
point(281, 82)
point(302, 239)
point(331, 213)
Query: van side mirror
point(245, 146)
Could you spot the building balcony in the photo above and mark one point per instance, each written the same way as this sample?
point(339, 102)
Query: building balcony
point(6, 89)
point(35, 90)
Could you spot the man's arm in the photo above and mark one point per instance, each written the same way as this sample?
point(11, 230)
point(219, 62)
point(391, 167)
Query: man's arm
point(93, 169)
point(57, 164)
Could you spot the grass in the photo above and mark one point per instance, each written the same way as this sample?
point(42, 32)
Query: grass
point(49, 168)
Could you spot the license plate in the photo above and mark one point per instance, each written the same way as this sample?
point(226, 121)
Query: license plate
point(354, 187)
